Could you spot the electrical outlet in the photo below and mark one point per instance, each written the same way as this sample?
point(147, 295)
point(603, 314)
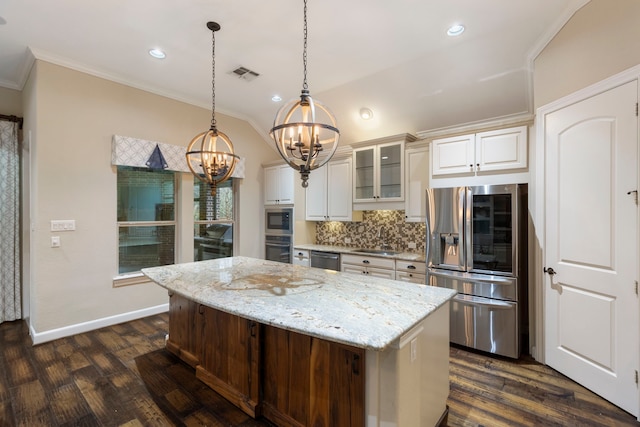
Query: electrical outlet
point(55, 241)
point(332, 239)
point(414, 349)
point(411, 245)
point(347, 240)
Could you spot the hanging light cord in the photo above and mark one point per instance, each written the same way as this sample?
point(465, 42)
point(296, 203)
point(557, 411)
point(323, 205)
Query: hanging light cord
point(213, 80)
point(304, 52)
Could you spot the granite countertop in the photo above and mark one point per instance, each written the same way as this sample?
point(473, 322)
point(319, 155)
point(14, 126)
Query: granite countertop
point(405, 256)
point(365, 312)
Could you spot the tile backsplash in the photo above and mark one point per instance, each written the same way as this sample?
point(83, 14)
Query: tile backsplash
point(375, 229)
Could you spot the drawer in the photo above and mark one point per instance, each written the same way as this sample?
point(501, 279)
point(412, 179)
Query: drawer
point(300, 253)
point(369, 261)
point(411, 266)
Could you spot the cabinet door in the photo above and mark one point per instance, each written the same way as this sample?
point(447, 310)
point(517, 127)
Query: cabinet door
point(364, 175)
point(501, 149)
point(316, 195)
point(285, 184)
point(339, 191)
point(355, 269)
point(381, 272)
point(416, 183)
point(455, 155)
point(278, 185)
point(404, 276)
point(271, 187)
point(390, 162)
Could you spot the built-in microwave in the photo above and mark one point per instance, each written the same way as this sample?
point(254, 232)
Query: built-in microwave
point(279, 221)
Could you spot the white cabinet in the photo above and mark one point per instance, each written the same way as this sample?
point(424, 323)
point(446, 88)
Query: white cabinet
point(329, 194)
point(278, 185)
point(371, 266)
point(416, 183)
point(490, 151)
point(379, 173)
point(411, 271)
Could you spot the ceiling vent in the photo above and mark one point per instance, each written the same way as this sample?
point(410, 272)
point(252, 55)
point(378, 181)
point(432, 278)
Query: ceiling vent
point(245, 74)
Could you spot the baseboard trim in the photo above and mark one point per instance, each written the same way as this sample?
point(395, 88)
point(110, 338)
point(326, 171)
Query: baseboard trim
point(54, 334)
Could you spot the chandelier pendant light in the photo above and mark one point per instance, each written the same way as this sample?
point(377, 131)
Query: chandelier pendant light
point(210, 154)
point(304, 130)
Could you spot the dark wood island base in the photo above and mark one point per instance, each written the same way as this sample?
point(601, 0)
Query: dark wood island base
point(289, 378)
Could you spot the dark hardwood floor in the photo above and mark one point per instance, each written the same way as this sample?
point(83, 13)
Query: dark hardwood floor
point(122, 376)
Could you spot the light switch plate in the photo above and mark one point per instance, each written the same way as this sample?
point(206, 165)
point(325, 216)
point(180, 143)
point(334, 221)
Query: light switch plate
point(55, 241)
point(63, 225)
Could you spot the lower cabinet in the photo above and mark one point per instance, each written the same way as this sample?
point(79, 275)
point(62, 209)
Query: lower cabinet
point(230, 358)
point(185, 329)
point(311, 382)
point(372, 266)
point(292, 379)
point(411, 271)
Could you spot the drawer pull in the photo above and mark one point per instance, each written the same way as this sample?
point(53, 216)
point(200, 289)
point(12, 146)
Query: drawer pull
point(411, 267)
point(366, 261)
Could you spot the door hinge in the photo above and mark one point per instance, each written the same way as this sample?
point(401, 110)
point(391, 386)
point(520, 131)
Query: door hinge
point(636, 377)
point(636, 109)
point(636, 287)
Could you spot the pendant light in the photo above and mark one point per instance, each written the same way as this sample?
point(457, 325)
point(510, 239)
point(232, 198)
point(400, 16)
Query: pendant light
point(210, 154)
point(304, 130)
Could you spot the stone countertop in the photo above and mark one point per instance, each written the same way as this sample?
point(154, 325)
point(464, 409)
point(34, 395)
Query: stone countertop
point(405, 256)
point(365, 312)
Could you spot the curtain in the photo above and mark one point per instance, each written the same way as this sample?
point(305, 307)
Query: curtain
point(10, 277)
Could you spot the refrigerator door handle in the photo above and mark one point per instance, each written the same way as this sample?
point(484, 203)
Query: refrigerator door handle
point(427, 237)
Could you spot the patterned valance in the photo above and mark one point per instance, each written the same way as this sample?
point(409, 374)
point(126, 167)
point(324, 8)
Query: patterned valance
point(128, 151)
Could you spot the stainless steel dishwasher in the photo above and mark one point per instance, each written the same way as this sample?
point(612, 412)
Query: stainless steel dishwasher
point(326, 260)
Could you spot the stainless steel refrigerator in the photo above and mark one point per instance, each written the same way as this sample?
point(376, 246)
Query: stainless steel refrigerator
point(476, 243)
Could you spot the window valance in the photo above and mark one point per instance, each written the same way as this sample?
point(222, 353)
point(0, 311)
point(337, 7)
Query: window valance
point(129, 151)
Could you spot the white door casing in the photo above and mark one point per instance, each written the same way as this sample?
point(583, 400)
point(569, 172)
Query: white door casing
point(591, 324)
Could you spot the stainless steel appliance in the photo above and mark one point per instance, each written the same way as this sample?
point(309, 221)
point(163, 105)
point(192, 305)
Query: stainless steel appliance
point(278, 221)
point(278, 248)
point(278, 239)
point(477, 244)
point(326, 260)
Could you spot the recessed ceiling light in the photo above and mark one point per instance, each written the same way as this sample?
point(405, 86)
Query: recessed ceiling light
point(157, 53)
point(276, 98)
point(366, 113)
point(455, 30)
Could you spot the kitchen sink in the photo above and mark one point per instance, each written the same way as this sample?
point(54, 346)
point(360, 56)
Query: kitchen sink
point(376, 251)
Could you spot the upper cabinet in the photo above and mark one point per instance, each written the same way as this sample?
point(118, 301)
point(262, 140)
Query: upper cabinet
point(278, 185)
point(379, 173)
point(416, 166)
point(495, 150)
point(329, 194)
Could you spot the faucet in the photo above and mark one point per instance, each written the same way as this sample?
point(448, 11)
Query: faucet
point(381, 237)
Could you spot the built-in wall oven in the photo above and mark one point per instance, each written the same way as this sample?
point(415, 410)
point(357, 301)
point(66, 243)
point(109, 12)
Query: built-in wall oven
point(279, 234)
point(477, 244)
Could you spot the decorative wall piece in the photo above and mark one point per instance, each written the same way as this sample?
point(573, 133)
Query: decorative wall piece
point(377, 228)
point(129, 151)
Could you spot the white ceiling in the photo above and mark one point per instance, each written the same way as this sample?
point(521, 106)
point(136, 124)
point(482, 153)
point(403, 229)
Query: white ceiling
point(393, 57)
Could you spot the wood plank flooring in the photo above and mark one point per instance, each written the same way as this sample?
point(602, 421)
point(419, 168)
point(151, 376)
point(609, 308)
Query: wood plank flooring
point(123, 376)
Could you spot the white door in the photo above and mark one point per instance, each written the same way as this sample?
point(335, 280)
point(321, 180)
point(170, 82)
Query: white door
point(591, 305)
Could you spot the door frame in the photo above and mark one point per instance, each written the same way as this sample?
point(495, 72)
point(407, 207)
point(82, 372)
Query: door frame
point(538, 198)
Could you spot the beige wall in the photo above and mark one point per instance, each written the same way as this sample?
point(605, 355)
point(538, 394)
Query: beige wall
point(600, 40)
point(72, 118)
point(10, 102)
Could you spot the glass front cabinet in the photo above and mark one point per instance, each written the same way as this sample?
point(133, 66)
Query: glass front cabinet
point(378, 173)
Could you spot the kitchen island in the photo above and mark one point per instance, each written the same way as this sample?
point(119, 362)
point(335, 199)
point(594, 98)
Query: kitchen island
point(304, 346)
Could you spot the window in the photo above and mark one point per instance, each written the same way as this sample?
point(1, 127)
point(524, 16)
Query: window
point(213, 220)
point(146, 218)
